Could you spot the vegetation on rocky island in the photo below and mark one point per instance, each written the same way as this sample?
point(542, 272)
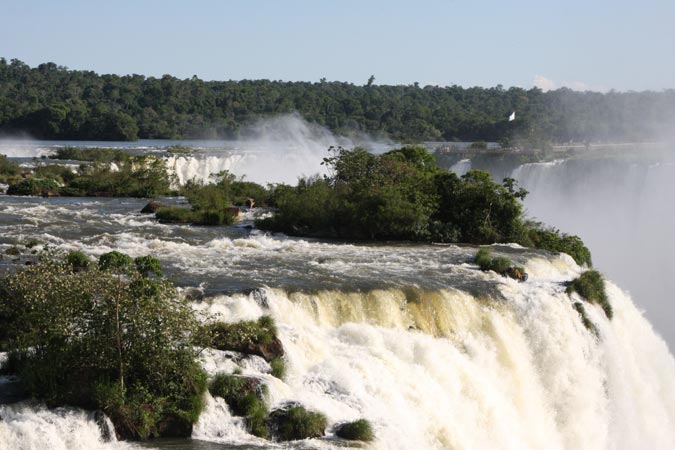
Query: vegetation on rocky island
point(404, 195)
point(91, 154)
point(112, 336)
point(214, 203)
point(539, 236)
point(503, 266)
point(245, 397)
point(251, 337)
point(138, 176)
point(293, 422)
point(591, 287)
point(10, 172)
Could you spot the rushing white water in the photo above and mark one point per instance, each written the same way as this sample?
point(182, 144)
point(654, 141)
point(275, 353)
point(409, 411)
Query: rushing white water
point(461, 167)
point(431, 368)
point(623, 210)
point(448, 371)
point(26, 426)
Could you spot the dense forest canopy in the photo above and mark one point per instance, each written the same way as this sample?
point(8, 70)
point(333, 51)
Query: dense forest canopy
point(50, 101)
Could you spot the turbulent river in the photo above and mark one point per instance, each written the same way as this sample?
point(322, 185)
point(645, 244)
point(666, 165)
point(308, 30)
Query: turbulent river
point(434, 352)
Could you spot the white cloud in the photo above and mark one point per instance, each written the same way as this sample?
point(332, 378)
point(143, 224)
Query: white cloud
point(543, 83)
point(546, 84)
point(577, 85)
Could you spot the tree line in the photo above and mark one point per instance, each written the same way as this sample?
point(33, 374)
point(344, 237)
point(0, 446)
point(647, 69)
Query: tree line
point(50, 101)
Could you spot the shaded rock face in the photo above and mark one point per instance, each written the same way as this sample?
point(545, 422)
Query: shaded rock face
point(151, 207)
point(173, 426)
point(101, 420)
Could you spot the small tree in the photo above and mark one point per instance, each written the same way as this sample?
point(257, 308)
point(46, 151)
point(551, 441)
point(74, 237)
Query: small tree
point(108, 337)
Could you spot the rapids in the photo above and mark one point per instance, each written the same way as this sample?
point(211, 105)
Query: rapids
point(433, 352)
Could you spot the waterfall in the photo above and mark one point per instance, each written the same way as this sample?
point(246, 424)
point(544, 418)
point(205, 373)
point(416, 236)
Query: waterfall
point(443, 369)
point(30, 426)
point(622, 208)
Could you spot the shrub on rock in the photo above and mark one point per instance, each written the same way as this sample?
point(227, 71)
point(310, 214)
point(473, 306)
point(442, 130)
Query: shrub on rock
point(591, 286)
point(250, 337)
point(359, 430)
point(294, 422)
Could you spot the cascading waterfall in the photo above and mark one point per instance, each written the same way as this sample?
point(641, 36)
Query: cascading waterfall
point(27, 426)
point(200, 168)
point(436, 369)
point(445, 370)
point(461, 167)
point(622, 209)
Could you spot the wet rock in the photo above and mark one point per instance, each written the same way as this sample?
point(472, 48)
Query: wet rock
point(107, 432)
point(13, 251)
point(517, 273)
point(151, 207)
point(259, 295)
point(50, 193)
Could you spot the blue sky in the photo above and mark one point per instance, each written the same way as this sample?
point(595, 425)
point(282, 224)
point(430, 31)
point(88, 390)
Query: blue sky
point(596, 45)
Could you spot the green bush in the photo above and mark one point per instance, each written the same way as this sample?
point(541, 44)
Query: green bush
point(175, 214)
point(140, 176)
point(278, 367)
point(60, 174)
point(250, 337)
point(243, 190)
point(536, 235)
point(591, 286)
point(179, 150)
point(501, 265)
point(146, 265)
point(98, 340)
point(401, 194)
point(78, 260)
point(10, 172)
point(33, 186)
point(295, 422)
point(244, 396)
point(114, 261)
point(359, 430)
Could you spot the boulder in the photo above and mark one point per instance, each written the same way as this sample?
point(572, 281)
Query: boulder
point(151, 207)
point(107, 432)
point(517, 273)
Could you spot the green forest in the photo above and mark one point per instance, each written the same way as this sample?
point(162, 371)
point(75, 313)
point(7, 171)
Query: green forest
point(52, 102)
